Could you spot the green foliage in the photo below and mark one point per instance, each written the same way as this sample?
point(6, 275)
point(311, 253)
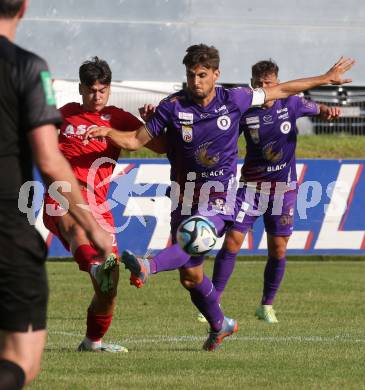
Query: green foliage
point(309, 146)
point(318, 344)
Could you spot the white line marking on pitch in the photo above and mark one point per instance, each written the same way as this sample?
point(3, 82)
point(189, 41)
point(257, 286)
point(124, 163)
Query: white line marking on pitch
point(179, 339)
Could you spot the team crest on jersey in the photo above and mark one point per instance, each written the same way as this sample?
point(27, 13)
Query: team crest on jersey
point(224, 122)
point(187, 133)
point(203, 158)
point(285, 127)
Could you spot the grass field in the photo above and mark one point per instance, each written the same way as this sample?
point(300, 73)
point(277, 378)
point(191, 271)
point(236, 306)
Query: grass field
point(318, 344)
point(320, 146)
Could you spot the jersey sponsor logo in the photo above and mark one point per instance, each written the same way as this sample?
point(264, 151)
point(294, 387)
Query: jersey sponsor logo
point(284, 116)
point(187, 133)
point(252, 120)
point(224, 122)
point(268, 119)
point(275, 168)
point(106, 117)
point(48, 88)
point(212, 174)
point(281, 110)
point(203, 158)
point(285, 127)
point(186, 117)
point(80, 130)
point(221, 110)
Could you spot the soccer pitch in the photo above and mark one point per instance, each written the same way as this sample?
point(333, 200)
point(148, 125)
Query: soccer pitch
point(318, 344)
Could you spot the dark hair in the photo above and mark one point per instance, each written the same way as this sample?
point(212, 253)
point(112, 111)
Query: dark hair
point(207, 56)
point(95, 70)
point(264, 68)
point(9, 8)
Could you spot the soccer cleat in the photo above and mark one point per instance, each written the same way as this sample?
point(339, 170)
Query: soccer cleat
point(201, 318)
point(104, 273)
point(103, 347)
point(139, 268)
point(215, 339)
point(266, 313)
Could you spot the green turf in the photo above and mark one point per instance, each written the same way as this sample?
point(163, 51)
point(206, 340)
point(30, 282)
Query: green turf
point(318, 344)
point(309, 146)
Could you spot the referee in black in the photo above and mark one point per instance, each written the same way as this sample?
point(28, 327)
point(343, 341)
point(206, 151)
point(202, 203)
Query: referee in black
point(28, 116)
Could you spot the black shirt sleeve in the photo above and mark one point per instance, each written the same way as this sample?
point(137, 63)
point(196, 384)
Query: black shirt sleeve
point(38, 103)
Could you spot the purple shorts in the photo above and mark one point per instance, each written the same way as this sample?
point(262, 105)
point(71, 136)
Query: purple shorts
point(276, 208)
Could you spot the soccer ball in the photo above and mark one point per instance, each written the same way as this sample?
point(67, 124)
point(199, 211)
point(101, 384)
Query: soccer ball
point(196, 235)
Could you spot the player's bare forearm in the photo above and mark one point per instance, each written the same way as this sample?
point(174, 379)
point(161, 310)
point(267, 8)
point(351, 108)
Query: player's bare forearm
point(123, 139)
point(127, 140)
point(282, 91)
point(158, 144)
point(333, 76)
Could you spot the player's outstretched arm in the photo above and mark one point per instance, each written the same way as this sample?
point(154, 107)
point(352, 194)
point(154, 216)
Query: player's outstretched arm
point(333, 76)
point(54, 167)
point(128, 140)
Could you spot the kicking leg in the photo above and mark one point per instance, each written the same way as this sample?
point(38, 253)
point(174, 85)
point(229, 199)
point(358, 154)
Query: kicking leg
point(204, 297)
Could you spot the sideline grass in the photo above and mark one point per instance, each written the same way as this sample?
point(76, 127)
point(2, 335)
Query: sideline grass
point(309, 146)
point(318, 344)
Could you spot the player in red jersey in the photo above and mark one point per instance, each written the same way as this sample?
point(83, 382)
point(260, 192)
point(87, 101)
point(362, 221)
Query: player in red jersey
point(95, 80)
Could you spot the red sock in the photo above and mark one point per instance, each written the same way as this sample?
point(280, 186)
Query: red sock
point(97, 325)
point(85, 256)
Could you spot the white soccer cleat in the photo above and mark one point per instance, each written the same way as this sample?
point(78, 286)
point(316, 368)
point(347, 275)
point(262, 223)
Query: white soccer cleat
point(101, 347)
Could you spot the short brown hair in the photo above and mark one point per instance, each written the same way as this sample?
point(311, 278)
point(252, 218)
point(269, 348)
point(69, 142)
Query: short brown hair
point(207, 56)
point(95, 70)
point(264, 68)
point(9, 8)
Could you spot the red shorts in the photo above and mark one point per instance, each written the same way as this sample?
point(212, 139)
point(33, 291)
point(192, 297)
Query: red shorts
point(51, 222)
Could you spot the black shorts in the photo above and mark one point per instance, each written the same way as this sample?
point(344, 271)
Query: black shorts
point(23, 279)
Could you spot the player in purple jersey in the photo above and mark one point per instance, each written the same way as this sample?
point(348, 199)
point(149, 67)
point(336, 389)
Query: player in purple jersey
point(202, 129)
point(268, 184)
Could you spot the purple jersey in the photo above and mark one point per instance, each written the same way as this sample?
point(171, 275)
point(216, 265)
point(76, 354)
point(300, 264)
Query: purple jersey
point(202, 140)
point(271, 138)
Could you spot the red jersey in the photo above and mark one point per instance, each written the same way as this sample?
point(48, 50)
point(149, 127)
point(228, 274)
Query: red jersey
point(82, 155)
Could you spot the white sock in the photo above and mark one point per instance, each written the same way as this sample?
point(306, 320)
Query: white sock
point(92, 344)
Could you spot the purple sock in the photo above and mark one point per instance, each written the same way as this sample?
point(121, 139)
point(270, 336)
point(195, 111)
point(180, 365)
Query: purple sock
point(273, 275)
point(223, 267)
point(204, 298)
point(168, 259)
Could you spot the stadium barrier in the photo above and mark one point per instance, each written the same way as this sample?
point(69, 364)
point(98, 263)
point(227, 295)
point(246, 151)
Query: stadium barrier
point(329, 216)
